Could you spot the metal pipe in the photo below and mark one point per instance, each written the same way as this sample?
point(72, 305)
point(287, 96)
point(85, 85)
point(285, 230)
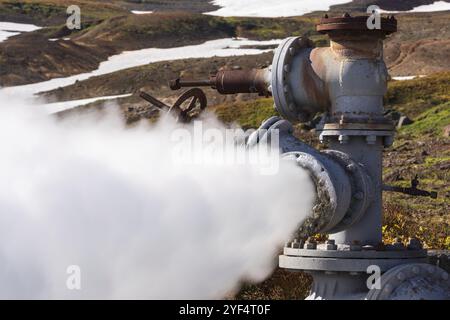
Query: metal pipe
point(178, 83)
point(367, 231)
point(231, 82)
point(153, 101)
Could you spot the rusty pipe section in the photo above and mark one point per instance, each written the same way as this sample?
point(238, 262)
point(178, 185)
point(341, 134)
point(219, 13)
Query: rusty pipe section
point(242, 81)
point(232, 82)
point(347, 80)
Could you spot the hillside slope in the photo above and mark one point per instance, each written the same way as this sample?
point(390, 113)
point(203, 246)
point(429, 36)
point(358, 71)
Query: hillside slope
point(388, 5)
point(421, 46)
point(32, 57)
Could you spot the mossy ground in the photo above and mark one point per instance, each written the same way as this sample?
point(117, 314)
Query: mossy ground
point(421, 148)
point(53, 12)
point(247, 114)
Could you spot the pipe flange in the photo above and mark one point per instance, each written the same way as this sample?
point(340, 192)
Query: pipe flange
point(413, 281)
point(358, 23)
point(322, 252)
point(327, 198)
point(362, 189)
point(386, 126)
point(341, 265)
point(360, 133)
point(282, 90)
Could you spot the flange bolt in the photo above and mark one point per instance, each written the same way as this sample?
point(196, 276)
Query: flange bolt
point(330, 245)
point(343, 139)
point(398, 244)
point(414, 244)
point(355, 246)
point(310, 244)
point(296, 244)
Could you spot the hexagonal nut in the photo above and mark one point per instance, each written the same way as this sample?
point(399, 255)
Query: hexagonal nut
point(414, 244)
point(343, 139)
point(398, 244)
point(355, 246)
point(388, 141)
point(310, 245)
point(390, 247)
point(296, 245)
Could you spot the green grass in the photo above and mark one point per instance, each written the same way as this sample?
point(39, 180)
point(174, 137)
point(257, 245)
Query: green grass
point(175, 24)
point(247, 114)
point(432, 121)
point(53, 12)
point(44, 10)
point(268, 28)
point(416, 96)
point(179, 24)
point(431, 161)
point(401, 220)
point(425, 100)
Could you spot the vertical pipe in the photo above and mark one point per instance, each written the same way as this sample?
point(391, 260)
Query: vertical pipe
point(368, 229)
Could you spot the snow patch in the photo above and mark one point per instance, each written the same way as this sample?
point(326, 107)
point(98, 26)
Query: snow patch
point(67, 105)
point(129, 59)
point(7, 34)
point(9, 29)
point(436, 6)
point(141, 12)
point(403, 78)
point(21, 27)
point(271, 8)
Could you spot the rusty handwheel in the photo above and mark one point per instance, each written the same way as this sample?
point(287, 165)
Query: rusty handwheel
point(189, 105)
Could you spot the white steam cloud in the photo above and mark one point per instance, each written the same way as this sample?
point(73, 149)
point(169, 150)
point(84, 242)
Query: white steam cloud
point(109, 199)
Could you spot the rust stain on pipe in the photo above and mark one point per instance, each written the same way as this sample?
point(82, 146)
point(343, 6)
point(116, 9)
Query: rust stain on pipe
point(240, 81)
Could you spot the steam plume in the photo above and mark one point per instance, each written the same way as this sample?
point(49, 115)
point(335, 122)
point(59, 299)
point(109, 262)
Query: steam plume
point(90, 192)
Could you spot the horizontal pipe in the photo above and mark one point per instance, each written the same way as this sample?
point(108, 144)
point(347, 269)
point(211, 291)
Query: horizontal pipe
point(231, 82)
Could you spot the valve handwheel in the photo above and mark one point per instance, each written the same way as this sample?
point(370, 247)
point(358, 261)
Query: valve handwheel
point(189, 105)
